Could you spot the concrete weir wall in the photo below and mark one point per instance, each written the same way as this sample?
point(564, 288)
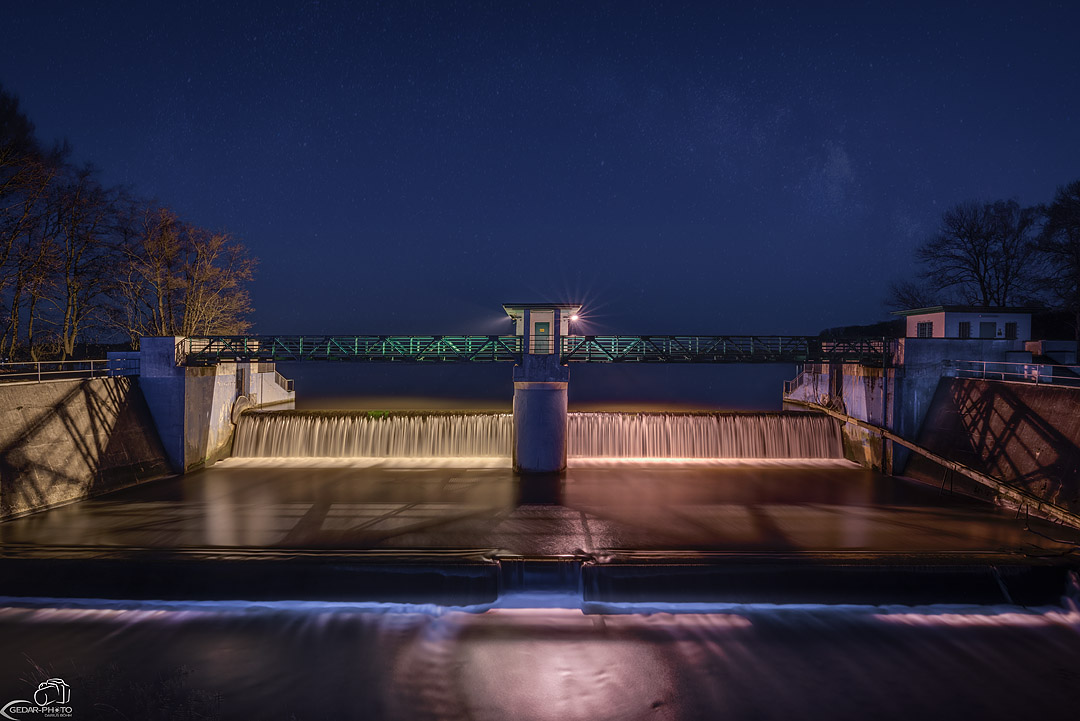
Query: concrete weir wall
point(1023, 434)
point(65, 440)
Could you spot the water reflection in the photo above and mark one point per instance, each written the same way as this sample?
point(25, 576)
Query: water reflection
point(714, 507)
point(401, 663)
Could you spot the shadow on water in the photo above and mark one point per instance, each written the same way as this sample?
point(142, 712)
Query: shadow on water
point(540, 489)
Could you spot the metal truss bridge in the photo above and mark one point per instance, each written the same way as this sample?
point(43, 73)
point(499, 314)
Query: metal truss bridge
point(509, 348)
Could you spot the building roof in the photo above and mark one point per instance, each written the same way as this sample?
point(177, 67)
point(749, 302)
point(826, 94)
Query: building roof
point(517, 310)
point(967, 309)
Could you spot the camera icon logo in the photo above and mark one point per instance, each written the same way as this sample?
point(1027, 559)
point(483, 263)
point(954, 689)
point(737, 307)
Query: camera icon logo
point(53, 691)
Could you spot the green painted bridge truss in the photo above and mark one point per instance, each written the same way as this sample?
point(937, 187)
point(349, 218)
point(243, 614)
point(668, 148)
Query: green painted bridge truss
point(508, 348)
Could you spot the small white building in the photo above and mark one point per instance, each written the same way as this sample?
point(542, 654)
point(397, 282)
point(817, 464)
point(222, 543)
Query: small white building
point(968, 321)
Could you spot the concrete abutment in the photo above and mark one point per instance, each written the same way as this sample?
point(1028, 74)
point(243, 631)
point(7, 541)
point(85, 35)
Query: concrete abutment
point(1019, 435)
point(193, 407)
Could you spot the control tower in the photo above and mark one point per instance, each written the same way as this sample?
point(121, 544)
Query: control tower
point(540, 382)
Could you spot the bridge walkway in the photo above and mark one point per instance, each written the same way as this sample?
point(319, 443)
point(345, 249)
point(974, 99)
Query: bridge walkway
point(209, 350)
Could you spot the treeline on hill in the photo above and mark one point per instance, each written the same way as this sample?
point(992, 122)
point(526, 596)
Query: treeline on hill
point(82, 262)
point(1000, 254)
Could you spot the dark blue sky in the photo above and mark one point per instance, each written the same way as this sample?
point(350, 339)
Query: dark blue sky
point(680, 167)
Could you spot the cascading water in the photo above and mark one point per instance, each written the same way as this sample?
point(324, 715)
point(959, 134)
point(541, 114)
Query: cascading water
point(301, 434)
point(703, 435)
point(373, 435)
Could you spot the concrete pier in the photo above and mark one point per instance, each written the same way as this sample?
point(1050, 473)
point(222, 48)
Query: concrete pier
point(539, 427)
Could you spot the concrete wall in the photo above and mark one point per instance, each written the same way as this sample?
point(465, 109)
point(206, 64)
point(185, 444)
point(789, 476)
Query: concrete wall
point(193, 408)
point(1026, 435)
point(1061, 352)
point(896, 398)
point(859, 391)
point(919, 365)
point(209, 396)
point(65, 440)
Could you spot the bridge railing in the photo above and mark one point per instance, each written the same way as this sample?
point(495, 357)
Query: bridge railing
point(43, 371)
point(573, 349)
point(1036, 373)
point(720, 349)
point(387, 348)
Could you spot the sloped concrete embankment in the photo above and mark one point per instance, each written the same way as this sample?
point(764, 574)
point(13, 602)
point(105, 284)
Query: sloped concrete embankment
point(1023, 434)
point(66, 440)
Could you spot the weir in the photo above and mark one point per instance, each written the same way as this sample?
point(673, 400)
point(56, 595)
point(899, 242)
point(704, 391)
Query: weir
point(194, 424)
point(332, 434)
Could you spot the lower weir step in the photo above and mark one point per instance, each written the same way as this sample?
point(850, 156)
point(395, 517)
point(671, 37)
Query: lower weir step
point(471, 578)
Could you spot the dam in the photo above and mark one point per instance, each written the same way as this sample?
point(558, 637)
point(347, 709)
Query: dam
point(408, 557)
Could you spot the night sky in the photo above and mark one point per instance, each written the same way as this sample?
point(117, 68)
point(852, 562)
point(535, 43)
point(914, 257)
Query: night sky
point(678, 167)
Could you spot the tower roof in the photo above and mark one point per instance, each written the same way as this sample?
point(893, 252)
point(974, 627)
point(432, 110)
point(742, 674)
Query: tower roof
point(517, 310)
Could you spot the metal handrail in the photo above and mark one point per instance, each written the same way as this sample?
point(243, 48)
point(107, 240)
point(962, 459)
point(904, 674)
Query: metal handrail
point(44, 371)
point(797, 382)
point(390, 348)
point(286, 384)
point(1035, 373)
point(209, 350)
point(722, 349)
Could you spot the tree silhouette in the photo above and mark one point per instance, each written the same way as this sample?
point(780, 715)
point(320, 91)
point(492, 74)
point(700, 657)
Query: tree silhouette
point(1059, 242)
point(983, 254)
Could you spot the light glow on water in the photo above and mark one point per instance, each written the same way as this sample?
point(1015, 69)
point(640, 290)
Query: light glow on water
point(560, 664)
point(541, 604)
point(504, 463)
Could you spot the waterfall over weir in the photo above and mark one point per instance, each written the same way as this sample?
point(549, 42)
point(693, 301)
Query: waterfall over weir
point(703, 435)
point(332, 434)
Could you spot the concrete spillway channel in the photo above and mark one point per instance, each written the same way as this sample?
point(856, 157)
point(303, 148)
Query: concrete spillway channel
point(472, 577)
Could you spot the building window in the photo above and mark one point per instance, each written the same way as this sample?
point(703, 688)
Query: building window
point(1010, 331)
point(925, 330)
point(965, 329)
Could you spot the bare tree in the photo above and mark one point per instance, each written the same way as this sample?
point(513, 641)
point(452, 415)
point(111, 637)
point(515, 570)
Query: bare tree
point(1014, 253)
point(1059, 243)
point(176, 279)
point(76, 256)
point(148, 278)
point(25, 176)
point(984, 254)
point(908, 295)
point(216, 300)
point(85, 219)
point(34, 272)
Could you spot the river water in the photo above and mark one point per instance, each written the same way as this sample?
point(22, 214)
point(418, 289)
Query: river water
point(655, 482)
point(548, 663)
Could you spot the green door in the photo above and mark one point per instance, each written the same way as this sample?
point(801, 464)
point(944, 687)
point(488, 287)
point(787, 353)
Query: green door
point(542, 337)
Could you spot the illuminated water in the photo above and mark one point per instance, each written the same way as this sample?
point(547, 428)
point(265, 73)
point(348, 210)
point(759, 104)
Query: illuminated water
point(322, 661)
point(300, 434)
point(542, 656)
point(703, 435)
point(422, 435)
